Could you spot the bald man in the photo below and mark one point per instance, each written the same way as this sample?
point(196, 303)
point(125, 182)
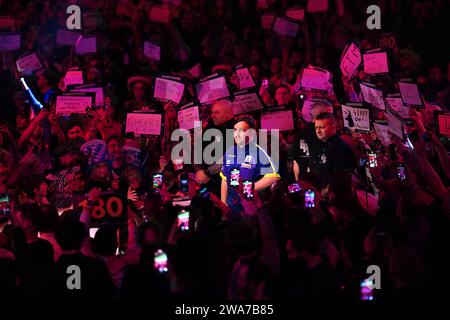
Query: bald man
point(222, 113)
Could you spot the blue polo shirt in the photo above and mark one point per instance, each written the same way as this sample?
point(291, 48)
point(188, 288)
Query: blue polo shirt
point(253, 162)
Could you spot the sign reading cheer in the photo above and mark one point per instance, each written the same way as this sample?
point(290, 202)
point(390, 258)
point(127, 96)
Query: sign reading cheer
point(143, 124)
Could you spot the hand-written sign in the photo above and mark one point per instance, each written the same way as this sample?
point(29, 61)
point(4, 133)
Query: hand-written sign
point(28, 64)
point(143, 124)
point(213, 89)
point(410, 94)
point(351, 59)
point(285, 27)
point(152, 50)
point(383, 133)
point(110, 208)
point(245, 78)
point(189, 118)
point(86, 45)
point(444, 124)
point(73, 104)
point(247, 102)
point(99, 99)
point(296, 14)
point(396, 104)
point(313, 78)
point(168, 90)
point(281, 120)
point(356, 118)
point(376, 62)
point(73, 78)
point(9, 42)
point(373, 95)
point(395, 124)
point(65, 37)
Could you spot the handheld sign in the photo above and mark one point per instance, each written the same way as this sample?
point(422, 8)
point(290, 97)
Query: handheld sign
point(383, 133)
point(143, 124)
point(110, 208)
point(73, 78)
point(394, 101)
point(315, 78)
point(9, 42)
point(98, 91)
point(308, 106)
point(7, 23)
point(167, 89)
point(375, 62)
point(410, 94)
point(395, 124)
point(285, 27)
point(372, 95)
point(73, 104)
point(245, 78)
point(68, 38)
point(443, 120)
point(152, 50)
point(356, 118)
point(317, 6)
point(160, 14)
point(278, 120)
point(188, 118)
point(86, 45)
point(28, 63)
point(296, 13)
point(246, 101)
point(212, 88)
point(267, 21)
point(350, 61)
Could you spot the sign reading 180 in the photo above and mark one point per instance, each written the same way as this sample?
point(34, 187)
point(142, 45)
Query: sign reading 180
point(111, 205)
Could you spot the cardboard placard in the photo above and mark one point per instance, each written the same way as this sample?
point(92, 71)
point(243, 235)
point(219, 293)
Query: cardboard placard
point(73, 104)
point(296, 14)
point(350, 61)
point(188, 118)
point(375, 63)
point(86, 45)
point(317, 6)
point(383, 133)
point(315, 78)
point(245, 78)
point(355, 118)
point(152, 50)
point(410, 94)
point(143, 124)
point(9, 42)
point(73, 78)
point(387, 41)
point(7, 23)
point(168, 90)
point(267, 21)
point(285, 27)
point(444, 124)
point(160, 14)
point(28, 63)
point(281, 120)
point(99, 99)
point(109, 210)
point(396, 104)
point(67, 38)
point(373, 95)
point(213, 89)
point(395, 124)
point(246, 102)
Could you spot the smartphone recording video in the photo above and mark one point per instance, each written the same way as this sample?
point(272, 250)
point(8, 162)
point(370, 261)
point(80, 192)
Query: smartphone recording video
point(157, 181)
point(5, 208)
point(294, 188)
point(247, 190)
point(373, 160)
point(309, 198)
point(366, 287)
point(183, 220)
point(160, 262)
point(234, 178)
point(184, 182)
point(401, 173)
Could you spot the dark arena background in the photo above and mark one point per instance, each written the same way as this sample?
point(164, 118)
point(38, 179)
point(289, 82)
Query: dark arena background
point(224, 158)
